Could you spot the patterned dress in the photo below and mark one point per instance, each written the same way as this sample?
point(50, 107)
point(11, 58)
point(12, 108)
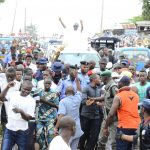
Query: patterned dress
point(46, 118)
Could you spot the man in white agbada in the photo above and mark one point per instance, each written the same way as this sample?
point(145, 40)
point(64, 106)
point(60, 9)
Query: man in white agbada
point(73, 36)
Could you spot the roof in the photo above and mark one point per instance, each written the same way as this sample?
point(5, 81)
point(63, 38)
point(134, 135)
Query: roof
point(143, 23)
point(134, 48)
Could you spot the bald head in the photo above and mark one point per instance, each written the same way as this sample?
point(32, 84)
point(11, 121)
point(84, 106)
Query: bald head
point(70, 90)
point(67, 122)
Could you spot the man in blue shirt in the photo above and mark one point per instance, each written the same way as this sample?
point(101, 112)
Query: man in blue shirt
point(69, 106)
point(70, 81)
point(8, 57)
point(42, 62)
point(83, 77)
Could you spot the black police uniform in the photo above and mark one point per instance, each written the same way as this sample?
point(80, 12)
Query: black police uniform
point(145, 136)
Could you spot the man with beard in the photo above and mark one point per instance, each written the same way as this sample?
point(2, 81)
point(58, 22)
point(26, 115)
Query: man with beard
point(20, 110)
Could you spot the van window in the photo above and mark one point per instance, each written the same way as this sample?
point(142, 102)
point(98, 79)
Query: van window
point(136, 55)
point(75, 58)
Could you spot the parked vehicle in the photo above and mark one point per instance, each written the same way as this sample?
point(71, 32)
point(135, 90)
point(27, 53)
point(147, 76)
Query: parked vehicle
point(74, 56)
point(137, 55)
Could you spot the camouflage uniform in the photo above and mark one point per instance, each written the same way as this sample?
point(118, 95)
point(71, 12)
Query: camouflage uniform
point(110, 92)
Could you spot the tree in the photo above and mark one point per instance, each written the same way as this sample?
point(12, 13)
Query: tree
point(146, 9)
point(1, 1)
point(135, 19)
point(32, 30)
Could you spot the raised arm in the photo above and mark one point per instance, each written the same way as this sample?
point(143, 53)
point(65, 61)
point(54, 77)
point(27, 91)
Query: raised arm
point(62, 22)
point(77, 82)
point(4, 92)
point(81, 22)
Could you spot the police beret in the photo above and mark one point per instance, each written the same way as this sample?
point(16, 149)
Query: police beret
point(124, 61)
point(106, 73)
point(42, 61)
point(72, 67)
point(145, 103)
point(83, 63)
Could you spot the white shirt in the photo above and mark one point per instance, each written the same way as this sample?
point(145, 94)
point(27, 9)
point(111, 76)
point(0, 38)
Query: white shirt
point(27, 104)
point(59, 144)
point(41, 85)
point(33, 67)
point(16, 87)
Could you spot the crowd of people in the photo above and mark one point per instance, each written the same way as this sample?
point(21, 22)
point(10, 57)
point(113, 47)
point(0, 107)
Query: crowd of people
point(63, 107)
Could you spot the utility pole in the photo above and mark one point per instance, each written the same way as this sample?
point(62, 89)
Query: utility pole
point(102, 14)
point(12, 29)
point(25, 20)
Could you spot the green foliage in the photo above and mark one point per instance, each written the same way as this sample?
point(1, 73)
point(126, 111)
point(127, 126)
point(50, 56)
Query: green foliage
point(32, 30)
point(135, 19)
point(1, 1)
point(146, 9)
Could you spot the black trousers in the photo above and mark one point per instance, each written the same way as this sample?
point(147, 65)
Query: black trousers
point(91, 129)
point(31, 139)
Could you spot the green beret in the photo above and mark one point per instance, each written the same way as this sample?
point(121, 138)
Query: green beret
point(106, 73)
point(92, 76)
point(35, 51)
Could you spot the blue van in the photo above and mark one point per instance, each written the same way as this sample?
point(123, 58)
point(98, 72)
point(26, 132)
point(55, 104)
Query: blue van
point(137, 55)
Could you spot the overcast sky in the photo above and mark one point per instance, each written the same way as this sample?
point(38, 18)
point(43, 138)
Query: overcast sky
point(45, 13)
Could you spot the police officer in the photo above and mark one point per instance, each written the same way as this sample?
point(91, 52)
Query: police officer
point(144, 134)
point(109, 93)
point(83, 76)
point(42, 62)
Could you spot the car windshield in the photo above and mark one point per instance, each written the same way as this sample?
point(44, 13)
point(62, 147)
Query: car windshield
point(136, 55)
point(75, 58)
